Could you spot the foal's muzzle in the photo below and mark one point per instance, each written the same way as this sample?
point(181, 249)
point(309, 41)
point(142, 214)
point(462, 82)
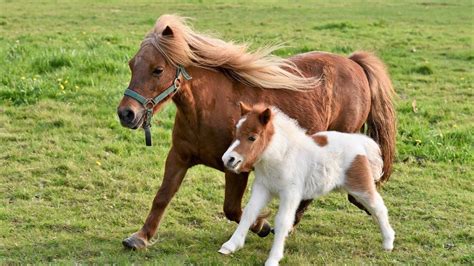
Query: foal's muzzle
point(232, 161)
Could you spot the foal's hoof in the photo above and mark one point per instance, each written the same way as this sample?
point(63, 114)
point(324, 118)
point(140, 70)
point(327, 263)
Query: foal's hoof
point(225, 251)
point(134, 242)
point(266, 229)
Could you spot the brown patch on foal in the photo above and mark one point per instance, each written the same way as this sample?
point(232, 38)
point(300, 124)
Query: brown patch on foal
point(321, 140)
point(358, 176)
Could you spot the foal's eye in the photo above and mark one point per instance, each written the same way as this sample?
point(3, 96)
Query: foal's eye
point(157, 71)
point(251, 138)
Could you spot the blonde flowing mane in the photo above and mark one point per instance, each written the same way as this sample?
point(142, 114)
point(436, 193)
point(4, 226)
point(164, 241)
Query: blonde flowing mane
point(183, 46)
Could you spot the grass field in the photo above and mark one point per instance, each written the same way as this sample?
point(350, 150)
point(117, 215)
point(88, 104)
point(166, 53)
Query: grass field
point(74, 183)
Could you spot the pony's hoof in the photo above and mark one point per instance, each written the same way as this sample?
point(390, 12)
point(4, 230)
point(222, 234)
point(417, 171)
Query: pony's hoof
point(266, 229)
point(134, 242)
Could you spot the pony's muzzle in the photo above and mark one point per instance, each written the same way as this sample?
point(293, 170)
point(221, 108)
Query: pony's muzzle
point(128, 117)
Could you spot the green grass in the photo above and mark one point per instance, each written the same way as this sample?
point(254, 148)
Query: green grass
point(74, 183)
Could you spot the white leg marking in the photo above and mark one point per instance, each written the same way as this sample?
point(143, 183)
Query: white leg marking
point(381, 214)
point(375, 205)
point(259, 199)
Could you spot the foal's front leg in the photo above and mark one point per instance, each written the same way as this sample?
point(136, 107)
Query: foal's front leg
point(259, 199)
point(289, 201)
point(235, 185)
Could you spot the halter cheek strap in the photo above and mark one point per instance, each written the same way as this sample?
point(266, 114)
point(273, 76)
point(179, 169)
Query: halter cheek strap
point(150, 103)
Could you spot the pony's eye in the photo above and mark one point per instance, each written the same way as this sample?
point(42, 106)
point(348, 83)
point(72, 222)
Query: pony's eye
point(251, 138)
point(157, 71)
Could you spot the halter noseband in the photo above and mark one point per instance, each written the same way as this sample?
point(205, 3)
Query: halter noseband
point(150, 103)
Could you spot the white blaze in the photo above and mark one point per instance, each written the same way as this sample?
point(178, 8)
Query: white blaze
point(241, 121)
point(238, 159)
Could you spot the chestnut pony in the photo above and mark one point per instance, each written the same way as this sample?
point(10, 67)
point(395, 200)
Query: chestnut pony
point(207, 78)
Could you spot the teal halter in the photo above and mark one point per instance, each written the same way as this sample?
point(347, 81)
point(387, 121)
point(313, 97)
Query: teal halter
point(150, 103)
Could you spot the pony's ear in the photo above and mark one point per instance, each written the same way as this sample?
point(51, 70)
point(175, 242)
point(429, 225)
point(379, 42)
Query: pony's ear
point(265, 116)
point(167, 32)
point(244, 109)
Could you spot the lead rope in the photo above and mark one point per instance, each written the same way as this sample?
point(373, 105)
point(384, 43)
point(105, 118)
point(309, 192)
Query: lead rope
point(146, 127)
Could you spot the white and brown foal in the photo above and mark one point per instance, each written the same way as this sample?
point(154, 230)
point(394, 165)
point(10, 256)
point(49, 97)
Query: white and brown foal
point(294, 166)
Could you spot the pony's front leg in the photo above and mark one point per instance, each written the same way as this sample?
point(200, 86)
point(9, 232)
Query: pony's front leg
point(259, 199)
point(289, 201)
point(175, 170)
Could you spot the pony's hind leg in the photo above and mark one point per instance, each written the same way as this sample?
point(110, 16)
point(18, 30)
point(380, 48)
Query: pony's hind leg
point(300, 211)
point(357, 204)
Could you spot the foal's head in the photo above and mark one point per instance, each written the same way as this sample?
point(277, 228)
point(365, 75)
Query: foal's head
point(253, 133)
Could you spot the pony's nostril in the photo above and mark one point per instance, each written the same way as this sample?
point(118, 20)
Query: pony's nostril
point(231, 159)
point(129, 115)
point(126, 115)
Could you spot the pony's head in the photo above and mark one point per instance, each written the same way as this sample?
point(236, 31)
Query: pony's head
point(152, 69)
point(254, 131)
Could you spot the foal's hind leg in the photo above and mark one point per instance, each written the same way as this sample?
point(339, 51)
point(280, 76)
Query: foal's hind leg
point(374, 203)
point(360, 184)
point(235, 185)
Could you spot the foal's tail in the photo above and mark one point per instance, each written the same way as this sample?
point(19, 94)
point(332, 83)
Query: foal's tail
point(381, 121)
point(374, 156)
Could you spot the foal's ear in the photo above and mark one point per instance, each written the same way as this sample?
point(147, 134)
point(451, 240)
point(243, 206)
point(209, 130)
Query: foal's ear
point(168, 32)
point(265, 116)
point(244, 109)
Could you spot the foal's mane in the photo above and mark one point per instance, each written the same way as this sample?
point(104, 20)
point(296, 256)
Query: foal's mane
point(257, 69)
